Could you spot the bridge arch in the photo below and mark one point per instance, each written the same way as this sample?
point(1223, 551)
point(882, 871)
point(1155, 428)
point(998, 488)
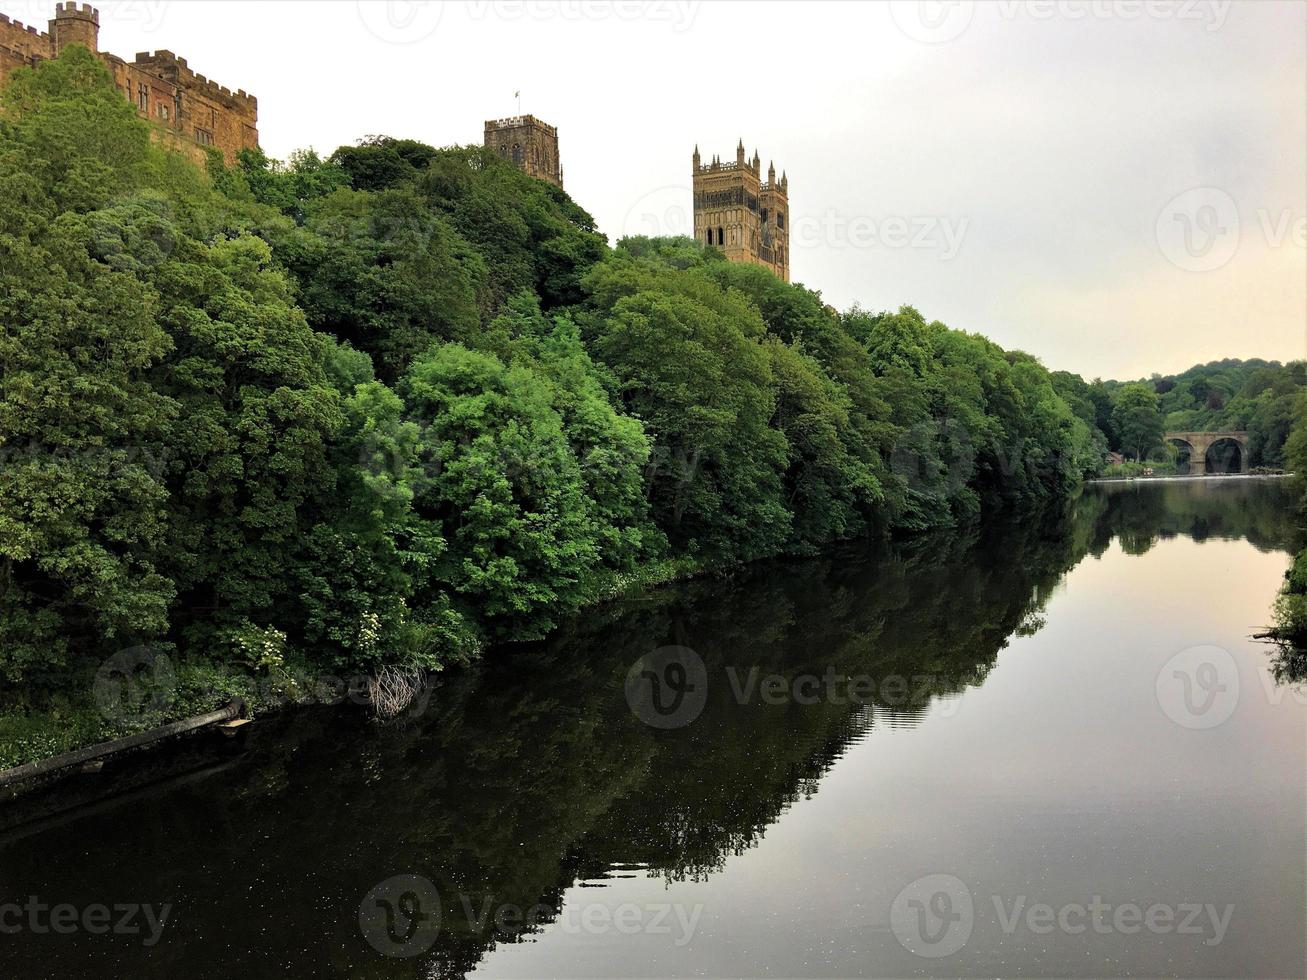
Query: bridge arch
point(1212, 451)
point(1225, 455)
point(1185, 463)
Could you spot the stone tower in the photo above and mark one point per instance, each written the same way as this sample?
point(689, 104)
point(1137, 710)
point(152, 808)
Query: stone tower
point(529, 143)
point(736, 211)
point(75, 25)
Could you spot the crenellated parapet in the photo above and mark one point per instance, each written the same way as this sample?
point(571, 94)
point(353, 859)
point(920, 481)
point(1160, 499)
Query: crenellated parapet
point(166, 65)
point(22, 42)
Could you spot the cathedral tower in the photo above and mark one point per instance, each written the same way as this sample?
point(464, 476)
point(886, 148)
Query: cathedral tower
point(738, 212)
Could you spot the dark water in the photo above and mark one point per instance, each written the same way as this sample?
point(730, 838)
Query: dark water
point(1047, 748)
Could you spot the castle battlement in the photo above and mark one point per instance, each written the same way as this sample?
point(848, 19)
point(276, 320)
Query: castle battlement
point(72, 10)
point(516, 122)
point(18, 25)
point(167, 65)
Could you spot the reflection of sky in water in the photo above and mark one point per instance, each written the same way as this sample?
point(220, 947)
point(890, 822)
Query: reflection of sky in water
point(1059, 779)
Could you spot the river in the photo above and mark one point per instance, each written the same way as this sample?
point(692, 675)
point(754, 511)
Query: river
point(1044, 747)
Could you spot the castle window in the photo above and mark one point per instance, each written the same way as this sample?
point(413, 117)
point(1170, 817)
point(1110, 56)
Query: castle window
point(780, 219)
point(517, 154)
point(204, 137)
point(163, 112)
point(709, 236)
point(721, 237)
point(142, 97)
point(764, 216)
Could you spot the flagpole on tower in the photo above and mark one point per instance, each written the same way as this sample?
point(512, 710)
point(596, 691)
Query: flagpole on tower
point(518, 95)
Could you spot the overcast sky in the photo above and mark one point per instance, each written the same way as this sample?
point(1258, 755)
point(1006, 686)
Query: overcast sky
point(1117, 186)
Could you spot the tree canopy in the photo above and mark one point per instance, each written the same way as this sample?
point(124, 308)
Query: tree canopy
point(384, 408)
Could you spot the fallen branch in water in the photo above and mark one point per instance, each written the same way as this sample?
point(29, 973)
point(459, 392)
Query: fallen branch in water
point(393, 689)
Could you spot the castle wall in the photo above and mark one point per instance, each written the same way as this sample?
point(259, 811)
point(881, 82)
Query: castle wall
point(197, 113)
point(20, 46)
point(203, 111)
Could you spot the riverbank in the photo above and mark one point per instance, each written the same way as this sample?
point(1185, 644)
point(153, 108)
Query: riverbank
point(140, 695)
point(1185, 477)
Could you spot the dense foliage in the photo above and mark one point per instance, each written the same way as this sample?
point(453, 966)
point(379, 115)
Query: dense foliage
point(1252, 396)
point(385, 407)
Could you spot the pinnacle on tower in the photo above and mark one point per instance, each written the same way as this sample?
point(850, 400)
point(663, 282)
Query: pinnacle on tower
point(739, 153)
point(771, 171)
point(696, 156)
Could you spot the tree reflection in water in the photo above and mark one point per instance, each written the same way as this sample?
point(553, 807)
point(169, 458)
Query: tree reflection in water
point(531, 772)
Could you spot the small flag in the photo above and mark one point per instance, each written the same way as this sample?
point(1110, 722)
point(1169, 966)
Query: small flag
point(517, 94)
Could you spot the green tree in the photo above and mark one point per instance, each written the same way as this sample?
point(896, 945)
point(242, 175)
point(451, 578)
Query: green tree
point(503, 488)
point(1136, 419)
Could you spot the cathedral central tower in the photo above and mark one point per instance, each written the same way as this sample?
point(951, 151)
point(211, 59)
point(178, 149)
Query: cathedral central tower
point(738, 212)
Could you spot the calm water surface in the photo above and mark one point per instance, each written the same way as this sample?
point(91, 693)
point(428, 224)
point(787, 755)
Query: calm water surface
point(1046, 748)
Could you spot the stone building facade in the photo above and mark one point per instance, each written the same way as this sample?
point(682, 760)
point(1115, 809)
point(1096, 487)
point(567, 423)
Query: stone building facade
point(744, 216)
point(190, 111)
point(529, 143)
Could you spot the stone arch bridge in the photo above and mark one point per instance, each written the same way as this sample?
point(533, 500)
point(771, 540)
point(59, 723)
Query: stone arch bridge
point(1201, 443)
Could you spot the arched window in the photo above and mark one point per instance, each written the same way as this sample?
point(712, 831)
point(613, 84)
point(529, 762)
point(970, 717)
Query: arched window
point(721, 236)
point(780, 219)
point(709, 236)
point(517, 153)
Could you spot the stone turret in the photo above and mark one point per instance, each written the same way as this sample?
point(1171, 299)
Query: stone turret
point(75, 24)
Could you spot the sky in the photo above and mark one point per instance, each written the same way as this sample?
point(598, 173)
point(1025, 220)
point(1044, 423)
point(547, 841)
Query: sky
point(1118, 187)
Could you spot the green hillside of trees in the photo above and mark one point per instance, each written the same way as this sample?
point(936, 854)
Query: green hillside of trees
point(1255, 396)
point(389, 407)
